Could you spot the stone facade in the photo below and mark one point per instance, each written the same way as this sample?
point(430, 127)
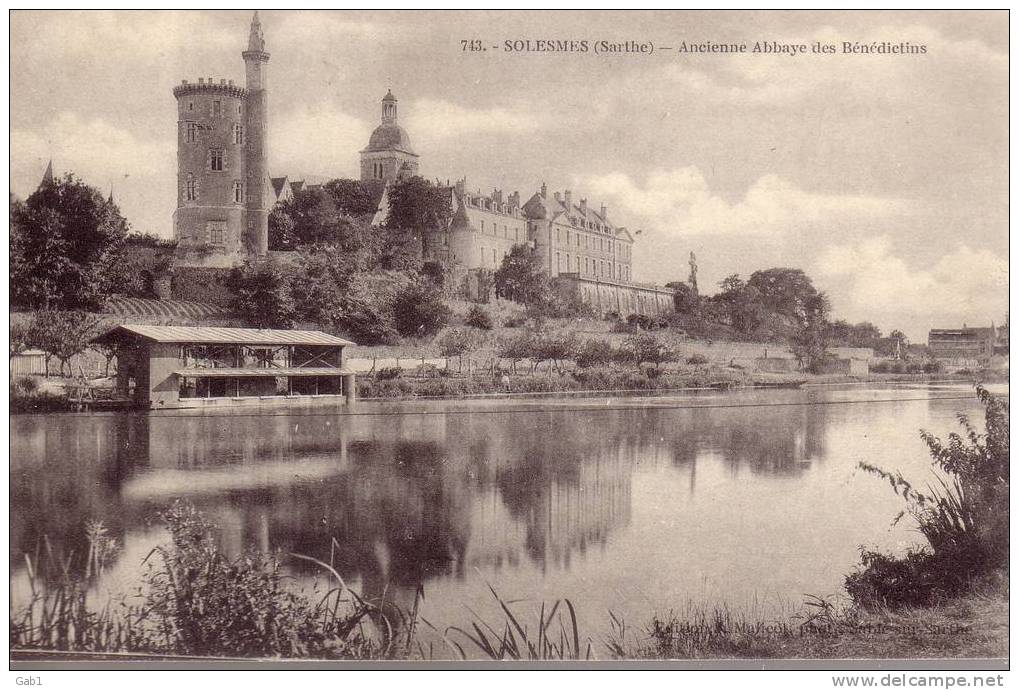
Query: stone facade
point(223, 189)
point(575, 239)
point(483, 230)
point(606, 295)
point(389, 155)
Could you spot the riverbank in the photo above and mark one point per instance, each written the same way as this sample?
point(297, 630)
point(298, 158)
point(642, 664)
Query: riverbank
point(970, 626)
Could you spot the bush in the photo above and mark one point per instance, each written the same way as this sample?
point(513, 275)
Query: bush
point(477, 317)
point(514, 321)
point(697, 359)
point(27, 384)
point(418, 310)
point(593, 353)
point(963, 516)
point(388, 373)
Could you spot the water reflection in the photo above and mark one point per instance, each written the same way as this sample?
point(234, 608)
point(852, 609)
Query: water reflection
point(393, 501)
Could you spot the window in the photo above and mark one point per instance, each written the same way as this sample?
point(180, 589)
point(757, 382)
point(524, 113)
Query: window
point(567, 237)
point(191, 105)
point(558, 261)
point(516, 234)
point(238, 134)
point(191, 188)
point(217, 108)
point(482, 226)
point(216, 159)
point(493, 257)
point(192, 132)
point(238, 110)
point(238, 192)
point(217, 231)
point(557, 238)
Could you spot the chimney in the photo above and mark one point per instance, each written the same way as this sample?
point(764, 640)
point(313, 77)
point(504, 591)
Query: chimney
point(604, 212)
point(568, 199)
point(557, 196)
point(514, 199)
point(497, 196)
point(544, 191)
point(583, 206)
point(461, 185)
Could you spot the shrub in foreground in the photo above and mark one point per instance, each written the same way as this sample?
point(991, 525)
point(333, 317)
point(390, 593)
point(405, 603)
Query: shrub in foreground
point(963, 514)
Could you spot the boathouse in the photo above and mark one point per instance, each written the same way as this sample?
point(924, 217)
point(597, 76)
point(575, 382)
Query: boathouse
point(197, 366)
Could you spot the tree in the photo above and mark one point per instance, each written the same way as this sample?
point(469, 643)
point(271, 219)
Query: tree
point(66, 241)
point(515, 348)
point(63, 334)
point(554, 346)
point(316, 219)
point(418, 310)
point(281, 229)
point(684, 298)
point(416, 207)
point(322, 275)
point(646, 347)
point(742, 304)
point(522, 278)
point(594, 352)
point(457, 342)
point(785, 291)
point(355, 197)
point(262, 295)
point(477, 317)
point(20, 338)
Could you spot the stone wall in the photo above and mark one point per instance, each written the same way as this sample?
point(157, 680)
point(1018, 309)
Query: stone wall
point(623, 298)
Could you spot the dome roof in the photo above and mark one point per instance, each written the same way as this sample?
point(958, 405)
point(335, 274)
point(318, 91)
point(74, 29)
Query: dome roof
point(390, 136)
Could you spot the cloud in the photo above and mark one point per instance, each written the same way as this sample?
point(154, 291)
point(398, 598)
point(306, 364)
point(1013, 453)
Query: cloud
point(870, 280)
point(94, 149)
point(317, 140)
point(439, 119)
point(138, 34)
point(679, 201)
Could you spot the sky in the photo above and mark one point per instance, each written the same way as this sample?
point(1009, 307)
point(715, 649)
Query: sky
point(883, 176)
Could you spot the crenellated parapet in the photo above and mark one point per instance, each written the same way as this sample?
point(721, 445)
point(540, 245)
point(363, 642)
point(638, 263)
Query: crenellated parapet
point(224, 87)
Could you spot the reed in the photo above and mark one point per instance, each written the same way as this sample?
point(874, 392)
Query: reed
point(554, 636)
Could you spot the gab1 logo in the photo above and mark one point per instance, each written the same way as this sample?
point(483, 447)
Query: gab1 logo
point(28, 680)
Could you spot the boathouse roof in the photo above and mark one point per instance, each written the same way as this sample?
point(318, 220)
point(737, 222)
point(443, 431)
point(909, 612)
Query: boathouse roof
point(216, 335)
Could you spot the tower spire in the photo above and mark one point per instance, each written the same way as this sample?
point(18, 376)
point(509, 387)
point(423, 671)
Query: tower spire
point(47, 177)
point(256, 41)
point(389, 108)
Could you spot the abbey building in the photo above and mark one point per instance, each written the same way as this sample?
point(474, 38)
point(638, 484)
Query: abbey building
point(225, 194)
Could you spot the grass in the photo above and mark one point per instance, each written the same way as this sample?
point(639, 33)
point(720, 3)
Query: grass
point(973, 625)
point(196, 602)
point(554, 636)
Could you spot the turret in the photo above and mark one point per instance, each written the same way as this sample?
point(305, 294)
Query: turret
point(256, 61)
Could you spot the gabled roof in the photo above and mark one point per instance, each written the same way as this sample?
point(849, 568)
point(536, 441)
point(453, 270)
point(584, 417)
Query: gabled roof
point(216, 335)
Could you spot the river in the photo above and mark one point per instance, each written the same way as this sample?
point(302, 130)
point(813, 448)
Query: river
point(748, 499)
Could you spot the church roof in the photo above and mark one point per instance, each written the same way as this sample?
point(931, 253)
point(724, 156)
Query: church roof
point(390, 136)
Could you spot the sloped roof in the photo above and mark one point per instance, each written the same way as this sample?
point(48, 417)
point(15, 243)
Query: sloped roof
point(174, 308)
point(217, 335)
point(390, 136)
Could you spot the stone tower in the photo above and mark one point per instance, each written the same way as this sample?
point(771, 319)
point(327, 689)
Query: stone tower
point(222, 165)
point(389, 155)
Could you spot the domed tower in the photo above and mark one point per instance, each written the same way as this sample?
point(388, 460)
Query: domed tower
point(222, 164)
point(389, 155)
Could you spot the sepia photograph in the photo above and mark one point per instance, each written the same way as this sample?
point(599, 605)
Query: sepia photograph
point(474, 339)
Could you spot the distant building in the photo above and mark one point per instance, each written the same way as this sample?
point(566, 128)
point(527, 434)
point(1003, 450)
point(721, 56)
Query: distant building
point(223, 188)
point(184, 366)
point(576, 239)
point(962, 346)
point(482, 231)
point(389, 155)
